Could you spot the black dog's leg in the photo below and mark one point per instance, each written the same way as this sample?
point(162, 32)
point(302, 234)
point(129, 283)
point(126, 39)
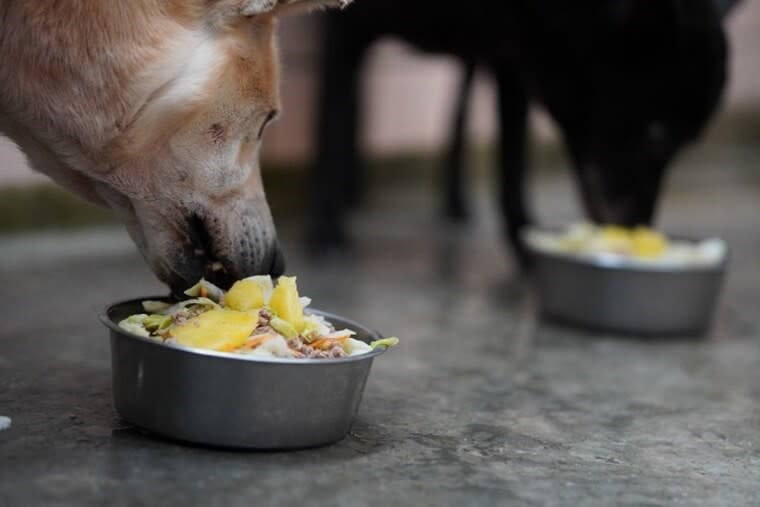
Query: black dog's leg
point(455, 207)
point(513, 112)
point(337, 126)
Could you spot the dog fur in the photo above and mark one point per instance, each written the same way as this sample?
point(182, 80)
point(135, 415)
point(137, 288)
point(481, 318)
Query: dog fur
point(154, 108)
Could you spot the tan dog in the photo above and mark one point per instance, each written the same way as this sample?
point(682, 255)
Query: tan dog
point(154, 108)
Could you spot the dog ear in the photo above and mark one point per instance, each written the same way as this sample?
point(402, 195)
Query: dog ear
point(294, 7)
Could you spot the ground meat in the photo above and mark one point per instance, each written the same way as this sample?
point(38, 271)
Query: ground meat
point(307, 351)
point(337, 351)
point(264, 318)
point(300, 346)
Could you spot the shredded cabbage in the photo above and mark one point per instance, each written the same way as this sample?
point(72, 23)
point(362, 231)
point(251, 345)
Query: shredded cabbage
point(155, 306)
point(354, 347)
point(274, 347)
point(135, 325)
point(385, 343)
point(213, 292)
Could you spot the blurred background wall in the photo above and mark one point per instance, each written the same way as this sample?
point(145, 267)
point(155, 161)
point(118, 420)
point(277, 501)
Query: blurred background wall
point(409, 96)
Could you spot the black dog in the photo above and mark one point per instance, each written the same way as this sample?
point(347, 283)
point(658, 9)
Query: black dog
point(628, 82)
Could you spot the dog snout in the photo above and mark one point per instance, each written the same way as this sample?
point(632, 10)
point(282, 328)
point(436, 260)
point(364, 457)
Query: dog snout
point(277, 266)
point(211, 252)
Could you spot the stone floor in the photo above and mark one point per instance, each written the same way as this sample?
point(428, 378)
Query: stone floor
point(481, 404)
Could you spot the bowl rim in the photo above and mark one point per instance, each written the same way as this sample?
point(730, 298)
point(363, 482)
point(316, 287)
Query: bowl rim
point(105, 317)
point(620, 264)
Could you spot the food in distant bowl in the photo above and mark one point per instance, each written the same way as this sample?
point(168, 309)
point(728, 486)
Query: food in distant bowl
point(255, 317)
point(636, 245)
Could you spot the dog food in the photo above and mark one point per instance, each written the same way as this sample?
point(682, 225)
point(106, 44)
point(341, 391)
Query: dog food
point(637, 245)
point(255, 317)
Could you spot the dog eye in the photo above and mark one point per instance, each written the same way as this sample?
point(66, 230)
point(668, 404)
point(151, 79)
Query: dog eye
point(270, 116)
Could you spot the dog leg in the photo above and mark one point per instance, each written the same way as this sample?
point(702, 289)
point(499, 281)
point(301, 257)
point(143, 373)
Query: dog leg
point(453, 169)
point(513, 115)
point(337, 132)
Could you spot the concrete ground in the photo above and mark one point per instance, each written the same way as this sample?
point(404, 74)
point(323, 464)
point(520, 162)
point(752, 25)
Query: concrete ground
point(481, 404)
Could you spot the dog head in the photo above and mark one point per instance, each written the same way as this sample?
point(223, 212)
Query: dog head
point(649, 85)
point(157, 110)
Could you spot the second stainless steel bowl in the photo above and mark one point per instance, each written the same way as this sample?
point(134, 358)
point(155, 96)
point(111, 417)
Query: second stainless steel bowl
point(233, 400)
point(627, 298)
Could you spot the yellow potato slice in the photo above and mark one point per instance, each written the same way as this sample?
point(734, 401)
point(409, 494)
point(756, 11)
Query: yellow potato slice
point(648, 243)
point(614, 238)
point(614, 233)
point(244, 295)
point(286, 303)
point(220, 329)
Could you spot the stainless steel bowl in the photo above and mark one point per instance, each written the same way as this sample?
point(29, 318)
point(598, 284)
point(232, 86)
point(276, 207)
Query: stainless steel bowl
point(617, 296)
point(233, 400)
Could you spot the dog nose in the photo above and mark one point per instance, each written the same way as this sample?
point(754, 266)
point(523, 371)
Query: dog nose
point(277, 268)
